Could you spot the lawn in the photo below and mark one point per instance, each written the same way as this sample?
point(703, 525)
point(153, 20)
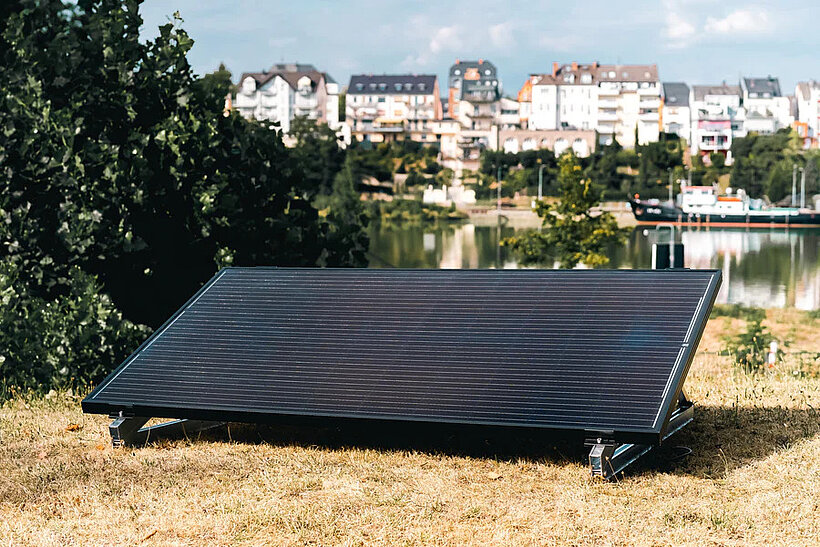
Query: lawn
point(753, 476)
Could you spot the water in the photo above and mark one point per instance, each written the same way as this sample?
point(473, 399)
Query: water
point(765, 268)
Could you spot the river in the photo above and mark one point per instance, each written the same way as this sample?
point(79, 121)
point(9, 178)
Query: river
point(765, 268)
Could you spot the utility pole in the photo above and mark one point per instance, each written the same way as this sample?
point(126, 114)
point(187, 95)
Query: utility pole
point(803, 189)
point(794, 183)
point(498, 180)
point(671, 201)
point(540, 180)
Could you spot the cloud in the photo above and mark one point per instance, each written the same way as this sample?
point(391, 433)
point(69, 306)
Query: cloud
point(502, 36)
point(679, 32)
point(742, 21)
point(446, 39)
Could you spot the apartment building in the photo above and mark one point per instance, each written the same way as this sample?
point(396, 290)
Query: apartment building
point(676, 116)
point(382, 108)
point(285, 91)
point(620, 102)
point(767, 110)
point(807, 96)
point(717, 118)
point(473, 81)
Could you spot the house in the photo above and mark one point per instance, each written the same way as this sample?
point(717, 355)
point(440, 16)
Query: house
point(767, 110)
point(807, 96)
point(474, 81)
point(676, 116)
point(717, 118)
point(620, 102)
point(383, 108)
point(288, 90)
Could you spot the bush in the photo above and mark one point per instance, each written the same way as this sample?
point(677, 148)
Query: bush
point(65, 342)
point(749, 349)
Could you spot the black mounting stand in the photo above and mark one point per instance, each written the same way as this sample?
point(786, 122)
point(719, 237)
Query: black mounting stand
point(128, 430)
point(608, 458)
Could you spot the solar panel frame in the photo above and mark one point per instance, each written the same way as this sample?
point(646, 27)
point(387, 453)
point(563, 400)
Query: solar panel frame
point(652, 435)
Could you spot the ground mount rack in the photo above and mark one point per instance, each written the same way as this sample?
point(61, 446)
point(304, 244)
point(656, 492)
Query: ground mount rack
point(597, 354)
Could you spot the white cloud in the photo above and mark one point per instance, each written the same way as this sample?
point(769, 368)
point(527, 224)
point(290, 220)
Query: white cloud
point(742, 21)
point(502, 36)
point(678, 31)
point(446, 39)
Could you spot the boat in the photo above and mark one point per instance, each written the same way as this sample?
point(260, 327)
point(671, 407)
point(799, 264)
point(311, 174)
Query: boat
point(703, 206)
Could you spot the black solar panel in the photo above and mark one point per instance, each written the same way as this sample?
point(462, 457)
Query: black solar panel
point(576, 350)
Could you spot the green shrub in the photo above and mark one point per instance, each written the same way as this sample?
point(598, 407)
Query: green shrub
point(749, 348)
point(737, 311)
point(63, 342)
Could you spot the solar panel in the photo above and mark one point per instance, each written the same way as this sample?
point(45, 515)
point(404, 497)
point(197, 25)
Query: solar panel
point(601, 352)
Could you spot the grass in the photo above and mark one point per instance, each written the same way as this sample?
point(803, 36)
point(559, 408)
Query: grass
point(753, 477)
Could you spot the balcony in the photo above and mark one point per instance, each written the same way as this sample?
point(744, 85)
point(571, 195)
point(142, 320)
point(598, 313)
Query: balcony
point(607, 116)
point(650, 103)
point(607, 103)
point(648, 115)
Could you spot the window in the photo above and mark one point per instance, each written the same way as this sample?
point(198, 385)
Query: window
point(611, 73)
point(359, 86)
point(382, 86)
point(398, 87)
point(372, 85)
point(422, 86)
point(487, 72)
point(408, 86)
point(586, 78)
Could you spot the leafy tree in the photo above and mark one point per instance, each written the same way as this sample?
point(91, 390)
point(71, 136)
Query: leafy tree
point(755, 156)
point(318, 152)
point(573, 233)
point(213, 86)
point(116, 161)
point(63, 341)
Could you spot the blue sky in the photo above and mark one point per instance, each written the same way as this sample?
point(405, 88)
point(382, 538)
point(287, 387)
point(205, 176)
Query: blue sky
point(695, 41)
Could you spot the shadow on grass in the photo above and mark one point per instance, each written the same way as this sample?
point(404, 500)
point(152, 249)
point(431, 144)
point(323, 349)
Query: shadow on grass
point(721, 439)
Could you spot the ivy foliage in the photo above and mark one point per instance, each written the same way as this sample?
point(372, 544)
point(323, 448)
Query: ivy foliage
point(573, 231)
point(120, 173)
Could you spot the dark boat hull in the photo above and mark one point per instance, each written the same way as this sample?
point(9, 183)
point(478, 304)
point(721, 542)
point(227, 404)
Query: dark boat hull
point(654, 214)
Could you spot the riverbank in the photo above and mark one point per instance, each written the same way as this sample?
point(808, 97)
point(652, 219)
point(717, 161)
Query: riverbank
point(522, 215)
point(752, 478)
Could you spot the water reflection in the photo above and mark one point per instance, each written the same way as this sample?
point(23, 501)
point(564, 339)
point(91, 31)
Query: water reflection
point(760, 267)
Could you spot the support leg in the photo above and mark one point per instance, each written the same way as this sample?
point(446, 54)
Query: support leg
point(128, 430)
point(608, 459)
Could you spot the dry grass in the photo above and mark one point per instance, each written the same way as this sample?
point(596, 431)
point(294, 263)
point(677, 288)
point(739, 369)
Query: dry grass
point(754, 478)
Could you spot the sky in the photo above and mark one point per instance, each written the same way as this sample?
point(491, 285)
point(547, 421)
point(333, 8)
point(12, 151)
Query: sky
point(694, 41)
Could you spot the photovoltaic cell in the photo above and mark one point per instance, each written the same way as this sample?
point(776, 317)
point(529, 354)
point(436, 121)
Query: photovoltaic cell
point(600, 350)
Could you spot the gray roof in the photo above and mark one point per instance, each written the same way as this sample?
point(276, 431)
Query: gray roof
point(675, 94)
point(392, 84)
point(701, 91)
point(762, 86)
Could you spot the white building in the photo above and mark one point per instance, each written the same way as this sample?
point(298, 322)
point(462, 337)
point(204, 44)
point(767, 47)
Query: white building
point(717, 118)
point(386, 107)
point(676, 116)
point(807, 95)
point(767, 110)
point(618, 101)
point(286, 91)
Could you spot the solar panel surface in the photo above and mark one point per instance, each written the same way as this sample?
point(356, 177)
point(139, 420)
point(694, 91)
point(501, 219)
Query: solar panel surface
point(553, 349)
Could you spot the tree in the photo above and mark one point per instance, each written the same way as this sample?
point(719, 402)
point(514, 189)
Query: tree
point(116, 161)
point(318, 152)
point(214, 86)
point(573, 233)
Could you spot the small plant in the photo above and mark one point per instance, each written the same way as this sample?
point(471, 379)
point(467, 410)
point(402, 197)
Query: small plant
point(749, 349)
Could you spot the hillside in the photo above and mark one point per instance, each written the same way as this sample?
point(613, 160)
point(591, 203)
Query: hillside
point(753, 477)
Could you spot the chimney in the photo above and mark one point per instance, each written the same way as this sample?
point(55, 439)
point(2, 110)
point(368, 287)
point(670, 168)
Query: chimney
point(574, 66)
point(555, 67)
point(595, 65)
point(457, 61)
point(481, 61)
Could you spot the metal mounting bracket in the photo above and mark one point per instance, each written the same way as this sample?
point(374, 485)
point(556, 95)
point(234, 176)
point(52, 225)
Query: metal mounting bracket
point(607, 458)
point(129, 430)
